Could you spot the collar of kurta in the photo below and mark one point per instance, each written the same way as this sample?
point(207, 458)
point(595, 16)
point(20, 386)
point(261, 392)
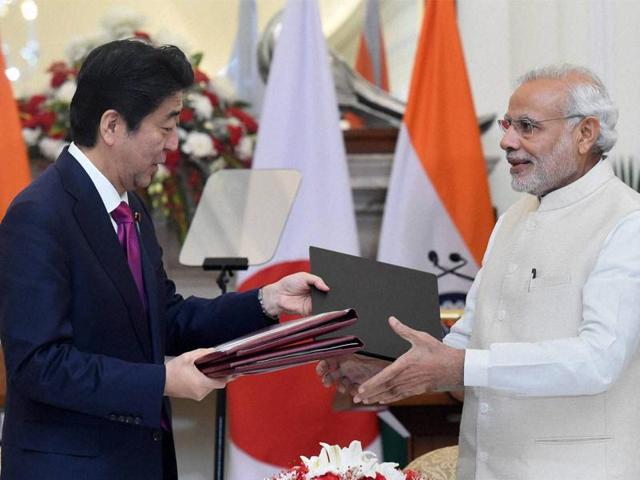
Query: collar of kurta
point(591, 181)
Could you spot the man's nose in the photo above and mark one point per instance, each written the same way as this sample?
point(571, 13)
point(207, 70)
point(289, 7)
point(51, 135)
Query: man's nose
point(510, 139)
point(172, 141)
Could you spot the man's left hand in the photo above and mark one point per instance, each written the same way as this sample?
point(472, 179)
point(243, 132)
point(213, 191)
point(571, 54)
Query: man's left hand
point(427, 366)
point(291, 294)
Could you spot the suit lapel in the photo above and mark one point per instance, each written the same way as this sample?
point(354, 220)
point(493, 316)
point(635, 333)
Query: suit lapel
point(98, 230)
point(147, 236)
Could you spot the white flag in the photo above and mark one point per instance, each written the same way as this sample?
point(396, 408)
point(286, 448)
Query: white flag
point(277, 417)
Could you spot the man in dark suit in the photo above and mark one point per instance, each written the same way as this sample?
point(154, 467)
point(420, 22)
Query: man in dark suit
point(87, 313)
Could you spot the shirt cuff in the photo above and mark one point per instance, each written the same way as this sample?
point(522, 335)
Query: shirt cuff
point(476, 368)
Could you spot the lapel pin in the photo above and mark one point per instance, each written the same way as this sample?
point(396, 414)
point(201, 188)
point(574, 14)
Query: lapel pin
point(136, 217)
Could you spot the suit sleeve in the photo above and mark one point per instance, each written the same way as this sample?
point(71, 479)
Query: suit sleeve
point(199, 323)
point(44, 361)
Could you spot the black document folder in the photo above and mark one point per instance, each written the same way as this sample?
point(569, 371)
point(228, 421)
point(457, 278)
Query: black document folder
point(377, 291)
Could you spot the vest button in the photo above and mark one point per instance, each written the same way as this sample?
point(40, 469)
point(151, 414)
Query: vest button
point(157, 435)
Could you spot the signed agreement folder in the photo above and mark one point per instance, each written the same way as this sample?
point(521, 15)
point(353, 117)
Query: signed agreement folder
point(282, 345)
point(376, 291)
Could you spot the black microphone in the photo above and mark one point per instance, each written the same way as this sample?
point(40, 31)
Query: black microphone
point(433, 258)
point(454, 257)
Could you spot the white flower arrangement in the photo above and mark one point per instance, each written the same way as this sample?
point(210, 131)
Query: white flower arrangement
point(349, 463)
point(215, 130)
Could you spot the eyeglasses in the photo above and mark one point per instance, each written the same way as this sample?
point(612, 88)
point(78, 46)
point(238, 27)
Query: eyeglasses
point(526, 126)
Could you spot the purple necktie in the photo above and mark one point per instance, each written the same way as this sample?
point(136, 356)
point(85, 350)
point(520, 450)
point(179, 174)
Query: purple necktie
point(128, 238)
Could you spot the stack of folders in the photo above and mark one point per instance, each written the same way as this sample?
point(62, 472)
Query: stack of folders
point(282, 345)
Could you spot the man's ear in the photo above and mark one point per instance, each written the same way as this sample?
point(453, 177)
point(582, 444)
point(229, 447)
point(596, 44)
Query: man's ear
point(588, 132)
point(111, 127)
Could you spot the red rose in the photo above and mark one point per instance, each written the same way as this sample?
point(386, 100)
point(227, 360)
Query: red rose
point(219, 146)
point(247, 120)
point(45, 120)
point(235, 134)
point(213, 98)
point(57, 67)
point(142, 35)
point(57, 134)
point(199, 76)
point(58, 78)
point(327, 476)
point(28, 121)
point(34, 103)
point(186, 115)
point(172, 159)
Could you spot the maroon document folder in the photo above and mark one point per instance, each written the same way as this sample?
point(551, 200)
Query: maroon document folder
point(282, 345)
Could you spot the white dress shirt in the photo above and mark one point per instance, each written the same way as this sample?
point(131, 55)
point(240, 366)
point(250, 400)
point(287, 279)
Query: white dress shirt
point(108, 193)
point(586, 364)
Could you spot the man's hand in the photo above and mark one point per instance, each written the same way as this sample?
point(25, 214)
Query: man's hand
point(184, 380)
point(347, 373)
point(291, 294)
point(428, 365)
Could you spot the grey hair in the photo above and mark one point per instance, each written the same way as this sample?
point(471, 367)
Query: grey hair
point(587, 97)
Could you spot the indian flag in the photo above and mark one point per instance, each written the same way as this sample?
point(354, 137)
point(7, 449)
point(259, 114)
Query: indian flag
point(438, 199)
point(14, 173)
point(371, 61)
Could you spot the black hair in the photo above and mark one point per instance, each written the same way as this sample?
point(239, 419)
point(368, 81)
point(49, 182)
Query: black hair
point(128, 76)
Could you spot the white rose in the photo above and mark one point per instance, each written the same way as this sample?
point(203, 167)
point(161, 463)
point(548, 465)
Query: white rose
point(162, 173)
point(244, 149)
point(66, 91)
point(222, 86)
point(31, 135)
point(122, 21)
point(390, 471)
point(199, 145)
point(170, 37)
point(79, 47)
point(201, 105)
point(51, 147)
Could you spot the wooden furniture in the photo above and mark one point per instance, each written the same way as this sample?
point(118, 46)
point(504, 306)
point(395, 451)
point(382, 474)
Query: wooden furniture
point(370, 140)
point(439, 464)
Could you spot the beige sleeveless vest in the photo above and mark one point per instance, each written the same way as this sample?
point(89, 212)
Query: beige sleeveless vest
point(503, 436)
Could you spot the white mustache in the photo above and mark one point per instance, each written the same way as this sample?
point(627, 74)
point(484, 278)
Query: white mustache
point(519, 159)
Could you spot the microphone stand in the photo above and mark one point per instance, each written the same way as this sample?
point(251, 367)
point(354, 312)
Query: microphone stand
point(226, 266)
point(454, 257)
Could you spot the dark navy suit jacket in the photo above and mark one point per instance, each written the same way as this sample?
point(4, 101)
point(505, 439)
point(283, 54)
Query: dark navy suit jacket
point(85, 373)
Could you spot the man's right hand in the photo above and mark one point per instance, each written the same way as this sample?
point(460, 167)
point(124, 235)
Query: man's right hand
point(184, 380)
point(347, 373)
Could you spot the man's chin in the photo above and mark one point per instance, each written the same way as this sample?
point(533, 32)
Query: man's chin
point(521, 185)
point(143, 182)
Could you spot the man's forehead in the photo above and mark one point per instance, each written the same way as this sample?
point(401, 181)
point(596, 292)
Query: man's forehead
point(539, 98)
point(171, 106)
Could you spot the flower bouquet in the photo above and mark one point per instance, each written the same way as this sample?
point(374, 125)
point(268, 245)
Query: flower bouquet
point(215, 129)
point(352, 463)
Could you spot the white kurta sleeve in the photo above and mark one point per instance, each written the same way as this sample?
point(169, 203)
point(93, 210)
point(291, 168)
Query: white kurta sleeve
point(607, 337)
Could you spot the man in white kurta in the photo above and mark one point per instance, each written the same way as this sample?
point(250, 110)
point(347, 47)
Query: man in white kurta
point(547, 348)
